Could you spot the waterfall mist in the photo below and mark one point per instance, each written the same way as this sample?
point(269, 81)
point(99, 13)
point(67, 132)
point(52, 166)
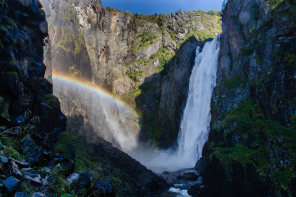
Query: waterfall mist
point(118, 125)
point(109, 119)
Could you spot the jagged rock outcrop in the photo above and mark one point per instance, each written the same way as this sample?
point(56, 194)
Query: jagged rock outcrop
point(251, 149)
point(26, 97)
point(122, 52)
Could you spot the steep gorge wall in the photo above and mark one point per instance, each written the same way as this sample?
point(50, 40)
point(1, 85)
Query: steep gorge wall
point(131, 56)
point(251, 148)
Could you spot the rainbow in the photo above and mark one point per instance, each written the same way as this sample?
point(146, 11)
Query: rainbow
point(88, 85)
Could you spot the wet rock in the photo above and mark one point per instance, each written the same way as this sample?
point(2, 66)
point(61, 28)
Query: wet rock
point(12, 132)
point(68, 166)
point(20, 194)
point(11, 183)
point(32, 176)
point(190, 176)
point(195, 190)
point(20, 163)
point(200, 164)
point(38, 194)
point(179, 177)
point(15, 169)
point(30, 148)
point(103, 188)
point(44, 182)
point(73, 178)
point(84, 180)
point(46, 170)
point(4, 160)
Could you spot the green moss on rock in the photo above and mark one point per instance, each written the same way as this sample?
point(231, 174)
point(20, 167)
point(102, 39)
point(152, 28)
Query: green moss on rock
point(50, 101)
point(250, 138)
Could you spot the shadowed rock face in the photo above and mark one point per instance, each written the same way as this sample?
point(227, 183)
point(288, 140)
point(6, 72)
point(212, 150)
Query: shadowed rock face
point(254, 101)
point(26, 97)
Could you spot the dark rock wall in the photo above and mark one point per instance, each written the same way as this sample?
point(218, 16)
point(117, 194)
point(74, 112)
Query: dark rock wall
point(26, 97)
point(251, 145)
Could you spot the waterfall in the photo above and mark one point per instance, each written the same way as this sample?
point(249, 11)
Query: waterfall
point(194, 129)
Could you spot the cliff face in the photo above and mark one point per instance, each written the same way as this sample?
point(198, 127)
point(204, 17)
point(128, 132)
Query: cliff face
point(131, 56)
point(251, 148)
point(26, 97)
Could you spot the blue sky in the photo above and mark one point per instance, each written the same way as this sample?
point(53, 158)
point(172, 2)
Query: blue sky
point(162, 6)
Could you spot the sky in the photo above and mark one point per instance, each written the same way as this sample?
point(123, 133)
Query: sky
point(162, 6)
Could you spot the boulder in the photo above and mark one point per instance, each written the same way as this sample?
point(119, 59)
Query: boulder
point(20, 163)
point(103, 187)
point(190, 176)
point(4, 159)
point(30, 148)
point(84, 180)
point(38, 194)
point(14, 170)
point(195, 190)
point(32, 176)
point(200, 164)
point(20, 194)
point(73, 178)
point(11, 183)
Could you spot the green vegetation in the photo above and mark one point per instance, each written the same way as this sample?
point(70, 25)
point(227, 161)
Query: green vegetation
point(274, 3)
point(290, 59)
point(60, 186)
point(293, 121)
point(235, 82)
point(215, 13)
point(89, 158)
point(146, 39)
point(50, 101)
point(141, 19)
point(259, 142)
point(74, 71)
point(70, 39)
point(248, 50)
point(200, 35)
point(69, 13)
point(4, 114)
point(11, 152)
point(3, 109)
point(11, 24)
point(164, 57)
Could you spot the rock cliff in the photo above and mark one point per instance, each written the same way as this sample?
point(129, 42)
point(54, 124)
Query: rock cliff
point(129, 55)
point(251, 148)
point(26, 97)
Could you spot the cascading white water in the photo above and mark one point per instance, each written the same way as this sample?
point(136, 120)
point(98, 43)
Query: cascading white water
point(194, 129)
point(114, 122)
point(196, 119)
